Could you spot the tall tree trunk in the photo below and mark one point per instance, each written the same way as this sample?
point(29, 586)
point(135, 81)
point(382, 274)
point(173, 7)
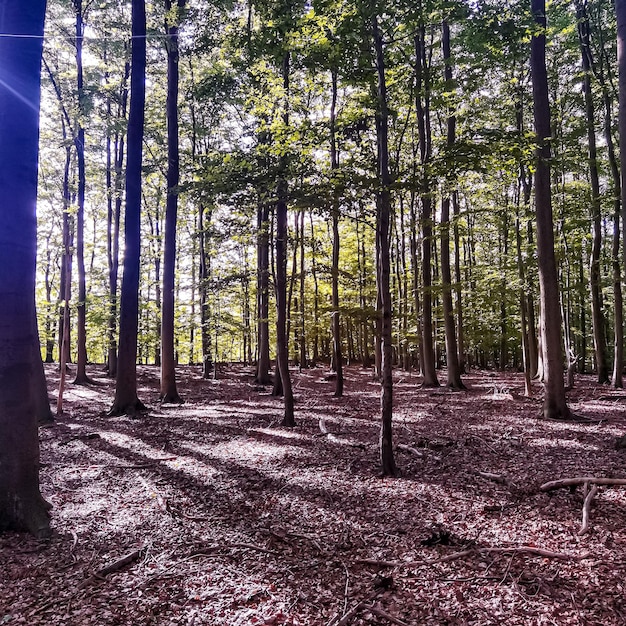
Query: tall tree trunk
point(554, 405)
point(383, 267)
point(263, 376)
point(452, 356)
point(597, 315)
point(282, 339)
point(79, 140)
point(169, 392)
point(422, 77)
point(334, 166)
point(113, 230)
point(22, 507)
point(126, 400)
point(204, 277)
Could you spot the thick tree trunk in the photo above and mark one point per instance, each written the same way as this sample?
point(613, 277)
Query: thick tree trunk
point(554, 406)
point(126, 400)
point(21, 506)
point(169, 391)
point(383, 268)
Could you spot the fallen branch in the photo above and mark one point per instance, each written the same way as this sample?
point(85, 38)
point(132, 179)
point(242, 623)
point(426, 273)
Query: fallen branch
point(513, 550)
point(410, 450)
point(388, 616)
point(574, 482)
point(496, 478)
point(344, 442)
point(586, 509)
point(129, 558)
point(346, 617)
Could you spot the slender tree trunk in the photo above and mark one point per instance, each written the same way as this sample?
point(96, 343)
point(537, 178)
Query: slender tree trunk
point(282, 345)
point(169, 391)
point(126, 399)
point(263, 376)
point(597, 315)
point(452, 358)
point(423, 122)
point(554, 406)
point(205, 276)
point(79, 140)
point(114, 219)
point(22, 507)
point(383, 269)
point(620, 9)
point(336, 322)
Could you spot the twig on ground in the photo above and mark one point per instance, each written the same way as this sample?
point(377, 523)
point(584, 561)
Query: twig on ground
point(344, 442)
point(496, 478)
point(586, 509)
point(127, 559)
point(347, 616)
point(388, 616)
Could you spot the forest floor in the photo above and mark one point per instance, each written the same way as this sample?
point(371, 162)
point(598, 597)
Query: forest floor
point(229, 519)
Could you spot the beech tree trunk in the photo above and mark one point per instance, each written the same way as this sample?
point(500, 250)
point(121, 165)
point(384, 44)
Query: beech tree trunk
point(126, 400)
point(452, 356)
point(263, 376)
point(554, 404)
point(22, 507)
point(79, 140)
point(336, 322)
point(169, 392)
point(423, 122)
point(282, 339)
point(620, 10)
point(383, 266)
point(597, 315)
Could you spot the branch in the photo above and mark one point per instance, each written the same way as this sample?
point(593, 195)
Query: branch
point(129, 558)
point(513, 550)
point(574, 482)
point(586, 508)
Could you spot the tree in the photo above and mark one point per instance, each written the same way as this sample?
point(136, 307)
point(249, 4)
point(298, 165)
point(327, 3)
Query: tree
point(126, 400)
point(383, 201)
point(554, 404)
point(169, 393)
point(21, 504)
point(452, 357)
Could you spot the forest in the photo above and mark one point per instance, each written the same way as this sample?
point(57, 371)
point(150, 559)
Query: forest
point(311, 312)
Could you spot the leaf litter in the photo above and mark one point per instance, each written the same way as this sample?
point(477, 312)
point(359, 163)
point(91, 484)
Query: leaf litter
point(211, 513)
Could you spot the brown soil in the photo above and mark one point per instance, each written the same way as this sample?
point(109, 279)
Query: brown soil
point(243, 522)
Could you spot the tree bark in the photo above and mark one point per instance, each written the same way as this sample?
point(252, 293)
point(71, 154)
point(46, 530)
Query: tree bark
point(169, 391)
point(383, 267)
point(126, 400)
point(22, 507)
point(334, 166)
point(282, 339)
point(554, 404)
point(79, 141)
point(597, 315)
point(452, 356)
point(423, 122)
